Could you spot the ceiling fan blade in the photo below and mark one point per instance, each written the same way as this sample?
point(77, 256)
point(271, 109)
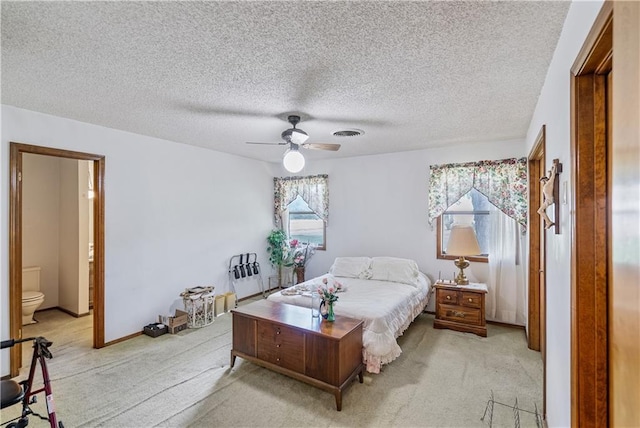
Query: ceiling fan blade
point(268, 144)
point(321, 146)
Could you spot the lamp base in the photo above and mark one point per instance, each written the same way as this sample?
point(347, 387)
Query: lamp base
point(461, 264)
point(462, 280)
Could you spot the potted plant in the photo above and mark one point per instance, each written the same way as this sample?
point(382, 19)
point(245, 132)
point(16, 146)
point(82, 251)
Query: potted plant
point(279, 251)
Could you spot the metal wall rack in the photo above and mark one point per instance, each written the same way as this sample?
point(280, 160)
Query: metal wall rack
point(488, 416)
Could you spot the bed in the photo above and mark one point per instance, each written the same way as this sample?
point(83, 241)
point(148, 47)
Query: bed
point(386, 293)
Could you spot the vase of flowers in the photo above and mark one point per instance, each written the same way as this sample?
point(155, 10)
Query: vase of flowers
point(301, 252)
point(329, 296)
point(327, 313)
point(299, 274)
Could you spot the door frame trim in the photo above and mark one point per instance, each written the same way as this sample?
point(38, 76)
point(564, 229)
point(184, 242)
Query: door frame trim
point(590, 243)
point(536, 337)
point(535, 157)
point(15, 242)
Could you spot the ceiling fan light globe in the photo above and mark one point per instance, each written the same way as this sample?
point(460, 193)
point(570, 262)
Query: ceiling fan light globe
point(293, 161)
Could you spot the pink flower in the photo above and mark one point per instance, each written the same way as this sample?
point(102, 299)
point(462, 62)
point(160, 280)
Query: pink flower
point(324, 281)
point(331, 290)
point(293, 243)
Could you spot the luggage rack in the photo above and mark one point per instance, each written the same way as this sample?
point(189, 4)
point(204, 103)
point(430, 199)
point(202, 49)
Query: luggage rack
point(245, 266)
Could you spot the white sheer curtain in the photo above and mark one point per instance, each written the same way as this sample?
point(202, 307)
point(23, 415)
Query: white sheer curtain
point(506, 298)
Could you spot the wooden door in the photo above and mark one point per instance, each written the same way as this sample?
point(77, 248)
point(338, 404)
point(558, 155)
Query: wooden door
point(536, 243)
point(624, 282)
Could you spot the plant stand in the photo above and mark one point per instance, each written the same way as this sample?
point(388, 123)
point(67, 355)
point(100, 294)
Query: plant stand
point(285, 276)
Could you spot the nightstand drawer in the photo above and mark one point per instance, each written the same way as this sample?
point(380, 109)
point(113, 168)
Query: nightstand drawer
point(448, 297)
point(461, 307)
point(460, 314)
point(472, 300)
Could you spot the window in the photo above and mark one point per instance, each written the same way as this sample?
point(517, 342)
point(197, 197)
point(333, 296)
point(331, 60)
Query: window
point(472, 208)
point(305, 225)
point(302, 207)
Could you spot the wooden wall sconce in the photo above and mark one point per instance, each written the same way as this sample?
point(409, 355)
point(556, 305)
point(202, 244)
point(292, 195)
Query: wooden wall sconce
point(551, 194)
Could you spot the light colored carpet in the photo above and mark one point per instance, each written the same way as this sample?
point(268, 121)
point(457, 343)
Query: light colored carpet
point(442, 379)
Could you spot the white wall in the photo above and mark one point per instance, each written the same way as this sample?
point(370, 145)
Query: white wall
point(174, 215)
point(82, 189)
point(70, 282)
point(553, 109)
point(40, 219)
point(378, 205)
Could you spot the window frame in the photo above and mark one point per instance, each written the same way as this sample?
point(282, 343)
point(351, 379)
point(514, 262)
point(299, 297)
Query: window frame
point(444, 256)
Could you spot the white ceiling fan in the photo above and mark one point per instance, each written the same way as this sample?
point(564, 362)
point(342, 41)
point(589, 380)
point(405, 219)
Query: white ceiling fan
point(295, 138)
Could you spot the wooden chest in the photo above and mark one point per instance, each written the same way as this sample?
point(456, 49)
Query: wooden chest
point(286, 339)
point(461, 307)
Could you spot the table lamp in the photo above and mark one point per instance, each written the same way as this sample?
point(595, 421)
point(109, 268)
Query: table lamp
point(462, 242)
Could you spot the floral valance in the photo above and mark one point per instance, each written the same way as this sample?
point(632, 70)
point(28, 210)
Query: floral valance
point(503, 182)
point(313, 189)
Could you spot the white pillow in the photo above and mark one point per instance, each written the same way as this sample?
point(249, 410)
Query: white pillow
point(351, 267)
point(395, 270)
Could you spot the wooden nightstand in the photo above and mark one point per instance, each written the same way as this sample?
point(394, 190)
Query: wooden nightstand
point(461, 307)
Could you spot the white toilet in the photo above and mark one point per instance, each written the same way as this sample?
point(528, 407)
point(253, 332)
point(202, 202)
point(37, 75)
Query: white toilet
point(32, 298)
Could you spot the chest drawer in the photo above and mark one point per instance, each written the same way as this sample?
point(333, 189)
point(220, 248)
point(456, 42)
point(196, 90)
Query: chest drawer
point(460, 314)
point(281, 345)
point(447, 296)
point(470, 299)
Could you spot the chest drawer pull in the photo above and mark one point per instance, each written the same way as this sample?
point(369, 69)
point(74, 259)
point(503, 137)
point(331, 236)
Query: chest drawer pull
point(278, 331)
point(278, 345)
point(448, 297)
point(458, 314)
point(471, 300)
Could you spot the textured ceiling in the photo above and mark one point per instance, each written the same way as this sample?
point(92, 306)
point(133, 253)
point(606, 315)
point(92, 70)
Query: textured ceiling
point(216, 74)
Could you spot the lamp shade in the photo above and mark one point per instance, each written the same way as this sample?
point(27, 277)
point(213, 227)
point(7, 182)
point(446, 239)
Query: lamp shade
point(298, 136)
point(462, 241)
point(293, 161)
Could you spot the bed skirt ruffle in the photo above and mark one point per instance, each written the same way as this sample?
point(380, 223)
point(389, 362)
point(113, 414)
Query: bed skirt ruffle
point(373, 363)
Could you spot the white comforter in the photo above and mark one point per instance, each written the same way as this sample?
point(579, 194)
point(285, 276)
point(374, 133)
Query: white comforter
point(386, 309)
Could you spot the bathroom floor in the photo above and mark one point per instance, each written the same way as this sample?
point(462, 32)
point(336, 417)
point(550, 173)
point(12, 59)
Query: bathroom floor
point(67, 333)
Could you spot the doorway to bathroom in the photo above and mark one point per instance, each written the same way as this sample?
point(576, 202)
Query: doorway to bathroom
point(78, 265)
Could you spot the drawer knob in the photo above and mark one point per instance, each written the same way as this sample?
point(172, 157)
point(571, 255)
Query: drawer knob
point(278, 345)
point(470, 299)
point(278, 332)
point(459, 314)
point(278, 359)
point(448, 297)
